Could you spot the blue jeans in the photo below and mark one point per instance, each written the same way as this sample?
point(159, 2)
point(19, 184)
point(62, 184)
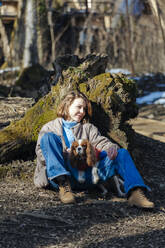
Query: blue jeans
point(123, 165)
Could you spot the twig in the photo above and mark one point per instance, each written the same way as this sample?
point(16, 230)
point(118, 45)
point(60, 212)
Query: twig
point(45, 217)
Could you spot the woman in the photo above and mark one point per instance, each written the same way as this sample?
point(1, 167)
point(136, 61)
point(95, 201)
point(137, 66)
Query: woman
point(55, 139)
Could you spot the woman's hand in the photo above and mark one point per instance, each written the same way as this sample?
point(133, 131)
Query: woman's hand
point(112, 153)
point(66, 152)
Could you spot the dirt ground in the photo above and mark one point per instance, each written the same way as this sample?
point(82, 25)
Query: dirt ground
point(34, 218)
point(31, 217)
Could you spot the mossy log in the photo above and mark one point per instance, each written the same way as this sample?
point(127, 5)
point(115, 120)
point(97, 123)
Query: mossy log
point(113, 98)
point(33, 81)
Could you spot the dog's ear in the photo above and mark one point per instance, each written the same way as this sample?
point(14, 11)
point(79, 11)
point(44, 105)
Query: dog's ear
point(91, 155)
point(73, 146)
point(72, 155)
point(73, 160)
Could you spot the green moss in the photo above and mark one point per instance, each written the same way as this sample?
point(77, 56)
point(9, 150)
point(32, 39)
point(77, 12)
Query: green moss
point(104, 77)
point(27, 128)
point(3, 171)
point(70, 69)
point(130, 86)
point(100, 84)
point(84, 87)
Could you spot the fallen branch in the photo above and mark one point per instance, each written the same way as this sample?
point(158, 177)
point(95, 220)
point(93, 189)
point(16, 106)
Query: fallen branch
point(45, 217)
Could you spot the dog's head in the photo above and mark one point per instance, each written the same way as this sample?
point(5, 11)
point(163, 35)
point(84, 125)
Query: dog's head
point(82, 152)
point(79, 148)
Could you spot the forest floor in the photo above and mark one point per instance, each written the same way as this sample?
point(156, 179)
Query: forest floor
point(31, 217)
point(34, 218)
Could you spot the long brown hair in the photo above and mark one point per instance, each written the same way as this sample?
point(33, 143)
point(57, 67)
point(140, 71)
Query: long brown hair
point(63, 108)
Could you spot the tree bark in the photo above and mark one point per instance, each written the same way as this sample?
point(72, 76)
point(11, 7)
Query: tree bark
point(112, 96)
point(30, 39)
point(5, 42)
point(129, 43)
point(30, 56)
point(157, 12)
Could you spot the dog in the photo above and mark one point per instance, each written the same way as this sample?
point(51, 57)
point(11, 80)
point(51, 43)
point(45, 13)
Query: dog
point(82, 156)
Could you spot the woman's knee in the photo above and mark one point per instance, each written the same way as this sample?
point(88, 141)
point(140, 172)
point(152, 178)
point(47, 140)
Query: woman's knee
point(51, 137)
point(122, 152)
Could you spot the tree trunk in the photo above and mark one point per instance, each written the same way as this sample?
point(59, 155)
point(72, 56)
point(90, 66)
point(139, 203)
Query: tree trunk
point(30, 39)
point(113, 98)
point(51, 26)
point(30, 56)
point(5, 41)
point(129, 43)
point(18, 36)
point(157, 12)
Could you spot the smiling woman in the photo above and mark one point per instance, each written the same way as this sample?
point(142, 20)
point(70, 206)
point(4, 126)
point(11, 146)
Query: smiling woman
point(53, 152)
point(77, 110)
point(75, 107)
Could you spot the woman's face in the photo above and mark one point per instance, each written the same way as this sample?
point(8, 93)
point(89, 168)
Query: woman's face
point(77, 110)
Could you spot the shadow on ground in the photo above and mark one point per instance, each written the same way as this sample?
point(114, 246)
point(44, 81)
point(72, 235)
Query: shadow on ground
point(31, 217)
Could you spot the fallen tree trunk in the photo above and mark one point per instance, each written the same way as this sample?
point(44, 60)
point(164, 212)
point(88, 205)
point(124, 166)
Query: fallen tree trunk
point(113, 98)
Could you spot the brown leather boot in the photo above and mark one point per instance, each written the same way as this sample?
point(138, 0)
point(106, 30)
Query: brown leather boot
point(138, 199)
point(65, 193)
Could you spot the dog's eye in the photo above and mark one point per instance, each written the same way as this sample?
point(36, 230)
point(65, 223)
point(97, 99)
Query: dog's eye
point(84, 145)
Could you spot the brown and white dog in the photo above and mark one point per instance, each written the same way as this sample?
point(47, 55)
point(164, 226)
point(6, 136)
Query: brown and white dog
point(82, 156)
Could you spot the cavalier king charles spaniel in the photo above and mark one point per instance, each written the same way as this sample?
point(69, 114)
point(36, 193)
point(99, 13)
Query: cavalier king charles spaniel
point(82, 156)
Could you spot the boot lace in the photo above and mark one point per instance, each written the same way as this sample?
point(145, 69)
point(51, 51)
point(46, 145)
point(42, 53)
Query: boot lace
point(66, 187)
point(142, 196)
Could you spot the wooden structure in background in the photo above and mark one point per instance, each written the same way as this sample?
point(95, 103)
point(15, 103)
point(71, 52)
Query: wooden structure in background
point(8, 14)
point(8, 10)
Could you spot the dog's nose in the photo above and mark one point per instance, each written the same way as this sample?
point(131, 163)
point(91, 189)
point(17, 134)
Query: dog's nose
point(79, 149)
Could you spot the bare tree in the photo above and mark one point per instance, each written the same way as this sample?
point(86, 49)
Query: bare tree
point(5, 42)
point(158, 14)
point(129, 39)
point(30, 51)
point(51, 26)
